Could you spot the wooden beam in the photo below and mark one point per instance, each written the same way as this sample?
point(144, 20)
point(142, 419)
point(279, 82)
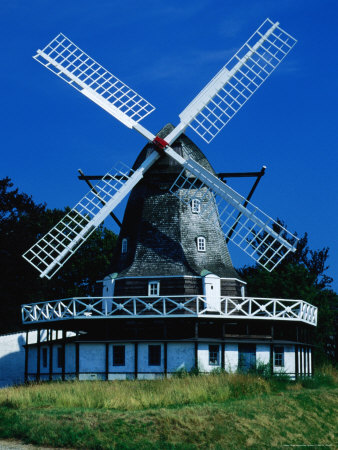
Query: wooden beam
point(84, 177)
point(135, 360)
point(38, 359)
point(107, 361)
point(165, 347)
point(224, 175)
point(50, 360)
point(26, 357)
point(259, 176)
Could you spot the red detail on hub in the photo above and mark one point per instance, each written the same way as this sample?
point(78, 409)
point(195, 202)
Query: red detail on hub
point(161, 143)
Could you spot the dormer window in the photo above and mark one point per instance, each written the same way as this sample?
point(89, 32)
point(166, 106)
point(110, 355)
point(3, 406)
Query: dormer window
point(195, 206)
point(124, 245)
point(153, 288)
point(201, 244)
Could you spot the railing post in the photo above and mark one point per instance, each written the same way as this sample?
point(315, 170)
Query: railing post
point(38, 359)
point(26, 356)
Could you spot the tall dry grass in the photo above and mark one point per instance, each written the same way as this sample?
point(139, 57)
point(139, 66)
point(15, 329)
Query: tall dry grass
point(139, 395)
point(134, 395)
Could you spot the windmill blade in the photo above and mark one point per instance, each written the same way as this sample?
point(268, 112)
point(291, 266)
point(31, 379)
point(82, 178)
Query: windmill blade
point(51, 252)
point(262, 238)
point(83, 73)
point(235, 83)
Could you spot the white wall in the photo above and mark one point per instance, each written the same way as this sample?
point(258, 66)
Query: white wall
point(180, 356)
point(231, 357)
point(262, 353)
point(289, 360)
point(12, 359)
point(92, 357)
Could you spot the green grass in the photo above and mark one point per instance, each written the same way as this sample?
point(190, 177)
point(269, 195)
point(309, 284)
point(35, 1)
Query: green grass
point(215, 411)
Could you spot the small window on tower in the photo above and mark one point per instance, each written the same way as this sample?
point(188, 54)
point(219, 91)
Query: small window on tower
point(196, 206)
point(153, 288)
point(124, 245)
point(201, 245)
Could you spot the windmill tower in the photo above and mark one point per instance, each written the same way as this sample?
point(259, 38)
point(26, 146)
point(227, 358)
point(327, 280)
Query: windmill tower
point(173, 299)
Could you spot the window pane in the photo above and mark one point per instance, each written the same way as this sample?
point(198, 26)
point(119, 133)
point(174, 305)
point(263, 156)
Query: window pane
point(195, 206)
point(119, 355)
point(214, 355)
point(154, 288)
point(201, 244)
point(279, 356)
point(154, 355)
point(124, 246)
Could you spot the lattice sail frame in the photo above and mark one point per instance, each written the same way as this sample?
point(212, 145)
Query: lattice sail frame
point(83, 73)
point(50, 253)
point(216, 101)
point(257, 234)
point(235, 83)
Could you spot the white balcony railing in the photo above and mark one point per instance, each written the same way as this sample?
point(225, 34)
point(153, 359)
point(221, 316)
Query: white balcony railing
point(174, 306)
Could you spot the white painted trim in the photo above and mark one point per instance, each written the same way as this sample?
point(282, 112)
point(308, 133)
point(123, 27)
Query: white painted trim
point(169, 306)
point(172, 276)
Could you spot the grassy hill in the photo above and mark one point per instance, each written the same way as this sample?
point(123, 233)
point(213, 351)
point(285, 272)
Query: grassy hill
point(216, 411)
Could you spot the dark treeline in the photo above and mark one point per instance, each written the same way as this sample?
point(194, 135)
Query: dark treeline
point(22, 223)
point(301, 275)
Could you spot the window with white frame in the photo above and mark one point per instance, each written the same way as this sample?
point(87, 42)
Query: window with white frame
point(278, 357)
point(214, 355)
point(124, 245)
point(153, 288)
point(195, 206)
point(201, 244)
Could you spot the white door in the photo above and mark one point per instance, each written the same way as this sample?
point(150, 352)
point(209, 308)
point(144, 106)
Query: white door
point(108, 291)
point(212, 292)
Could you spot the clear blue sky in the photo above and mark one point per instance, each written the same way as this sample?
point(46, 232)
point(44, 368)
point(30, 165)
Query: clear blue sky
point(167, 51)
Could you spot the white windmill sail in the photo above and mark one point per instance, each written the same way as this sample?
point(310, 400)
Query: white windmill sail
point(83, 73)
point(257, 234)
point(51, 252)
point(207, 114)
point(235, 83)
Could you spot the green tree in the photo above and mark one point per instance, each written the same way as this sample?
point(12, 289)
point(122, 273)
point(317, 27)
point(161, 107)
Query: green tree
point(301, 275)
point(22, 223)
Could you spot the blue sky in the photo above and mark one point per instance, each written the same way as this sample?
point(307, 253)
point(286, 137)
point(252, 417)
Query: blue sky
point(167, 51)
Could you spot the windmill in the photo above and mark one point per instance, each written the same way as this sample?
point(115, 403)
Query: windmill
point(173, 298)
point(258, 235)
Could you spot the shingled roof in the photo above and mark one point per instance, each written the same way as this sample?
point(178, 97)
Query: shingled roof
point(162, 231)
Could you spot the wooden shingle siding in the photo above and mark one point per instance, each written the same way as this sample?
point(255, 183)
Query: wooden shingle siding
point(162, 231)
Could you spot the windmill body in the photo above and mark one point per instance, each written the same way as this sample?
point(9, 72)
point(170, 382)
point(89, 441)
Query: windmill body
point(172, 299)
